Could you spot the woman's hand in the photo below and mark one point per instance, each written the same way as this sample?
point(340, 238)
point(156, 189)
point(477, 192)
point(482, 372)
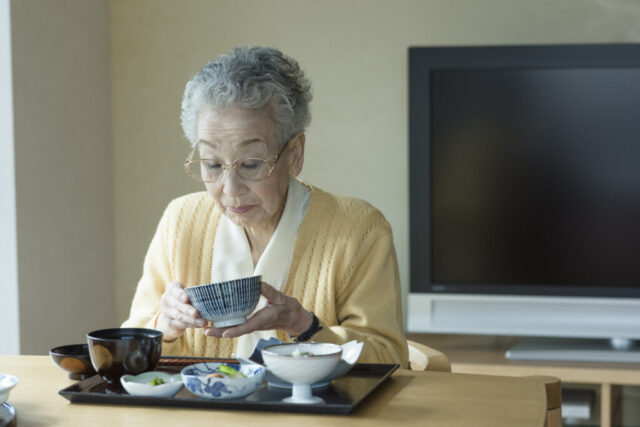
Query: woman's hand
point(176, 314)
point(281, 312)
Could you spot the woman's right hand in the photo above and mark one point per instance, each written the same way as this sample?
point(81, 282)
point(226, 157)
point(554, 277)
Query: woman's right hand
point(176, 313)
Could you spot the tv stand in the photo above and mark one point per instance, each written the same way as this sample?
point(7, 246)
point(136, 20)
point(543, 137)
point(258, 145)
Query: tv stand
point(575, 350)
point(482, 354)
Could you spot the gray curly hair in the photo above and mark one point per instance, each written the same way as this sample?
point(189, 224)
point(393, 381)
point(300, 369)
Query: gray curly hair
point(254, 78)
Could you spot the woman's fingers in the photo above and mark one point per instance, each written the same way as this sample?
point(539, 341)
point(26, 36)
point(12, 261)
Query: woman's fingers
point(281, 312)
point(261, 320)
point(176, 290)
point(175, 305)
point(214, 332)
point(272, 294)
point(177, 325)
point(185, 318)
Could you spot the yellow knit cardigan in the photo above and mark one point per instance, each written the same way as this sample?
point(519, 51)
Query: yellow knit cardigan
point(344, 269)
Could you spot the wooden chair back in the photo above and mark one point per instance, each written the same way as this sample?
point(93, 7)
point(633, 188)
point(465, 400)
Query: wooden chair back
point(553, 390)
point(423, 358)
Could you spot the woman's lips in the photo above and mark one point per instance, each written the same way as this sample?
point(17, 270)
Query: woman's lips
point(240, 209)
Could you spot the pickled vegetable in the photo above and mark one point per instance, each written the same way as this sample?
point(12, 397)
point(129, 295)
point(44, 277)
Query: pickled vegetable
point(231, 372)
point(157, 381)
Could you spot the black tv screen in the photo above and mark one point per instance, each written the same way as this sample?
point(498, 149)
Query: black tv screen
point(525, 170)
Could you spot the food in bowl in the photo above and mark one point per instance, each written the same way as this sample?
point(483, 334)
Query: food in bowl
point(74, 359)
point(119, 351)
point(298, 353)
point(226, 303)
point(226, 371)
point(214, 381)
point(156, 381)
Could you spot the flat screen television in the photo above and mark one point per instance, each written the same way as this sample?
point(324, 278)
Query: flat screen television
point(525, 194)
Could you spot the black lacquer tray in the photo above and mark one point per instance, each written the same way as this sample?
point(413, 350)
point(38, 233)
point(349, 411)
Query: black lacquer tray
point(341, 397)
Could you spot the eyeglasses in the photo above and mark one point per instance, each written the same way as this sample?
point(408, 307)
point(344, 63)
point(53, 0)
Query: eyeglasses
point(211, 170)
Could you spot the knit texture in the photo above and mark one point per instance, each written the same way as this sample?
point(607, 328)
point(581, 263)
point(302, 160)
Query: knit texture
point(344, 269)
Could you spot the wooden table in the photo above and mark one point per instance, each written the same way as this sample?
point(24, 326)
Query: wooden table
point(407, 398)
point(476, 354)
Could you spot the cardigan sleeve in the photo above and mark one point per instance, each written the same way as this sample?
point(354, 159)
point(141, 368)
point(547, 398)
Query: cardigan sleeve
point(145, 307)
point(368, 305)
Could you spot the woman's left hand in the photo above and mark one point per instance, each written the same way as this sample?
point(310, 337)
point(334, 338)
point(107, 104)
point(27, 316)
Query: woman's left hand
point(281, 312)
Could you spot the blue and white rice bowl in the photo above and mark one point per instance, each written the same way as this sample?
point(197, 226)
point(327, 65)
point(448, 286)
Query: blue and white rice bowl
point(226, 303)
point(195, 379)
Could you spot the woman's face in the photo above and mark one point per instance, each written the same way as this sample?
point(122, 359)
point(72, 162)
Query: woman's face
point(227, 135)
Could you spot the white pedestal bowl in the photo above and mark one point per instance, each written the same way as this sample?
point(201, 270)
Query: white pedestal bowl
point(317, 361)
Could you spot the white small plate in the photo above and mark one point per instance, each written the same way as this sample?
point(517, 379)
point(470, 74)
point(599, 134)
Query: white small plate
point(139, 385)
point(7, 382)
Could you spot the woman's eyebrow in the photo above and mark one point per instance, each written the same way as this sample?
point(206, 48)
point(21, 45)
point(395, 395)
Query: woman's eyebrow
point(205, 142)
point(252, 141)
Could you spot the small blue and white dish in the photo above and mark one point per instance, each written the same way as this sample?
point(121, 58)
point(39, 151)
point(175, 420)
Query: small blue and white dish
point(198, 380)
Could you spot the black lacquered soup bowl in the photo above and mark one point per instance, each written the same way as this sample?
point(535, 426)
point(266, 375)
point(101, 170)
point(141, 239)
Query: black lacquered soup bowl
point(119, 351)
point(74, 359)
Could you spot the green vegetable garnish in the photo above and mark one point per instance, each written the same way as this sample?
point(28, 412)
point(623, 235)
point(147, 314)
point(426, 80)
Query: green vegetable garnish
point(156, 381)
point(230, 372)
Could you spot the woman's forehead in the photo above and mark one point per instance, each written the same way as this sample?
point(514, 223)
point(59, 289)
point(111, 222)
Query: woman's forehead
point(240, 145)
point(235, 126)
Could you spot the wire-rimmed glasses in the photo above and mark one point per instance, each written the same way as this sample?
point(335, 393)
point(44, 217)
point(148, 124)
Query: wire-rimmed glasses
point(213, 170)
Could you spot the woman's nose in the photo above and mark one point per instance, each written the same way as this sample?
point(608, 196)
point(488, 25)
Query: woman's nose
point(232, 184)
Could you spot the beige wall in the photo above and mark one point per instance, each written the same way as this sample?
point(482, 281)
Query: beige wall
point(62, 110)
point(354, 51)
point(10, 342)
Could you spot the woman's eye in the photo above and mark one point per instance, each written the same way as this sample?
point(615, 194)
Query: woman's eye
point(212, 165)
point(250, 164)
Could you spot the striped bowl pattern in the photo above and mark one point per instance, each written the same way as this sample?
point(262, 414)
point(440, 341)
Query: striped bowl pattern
point(226, 303)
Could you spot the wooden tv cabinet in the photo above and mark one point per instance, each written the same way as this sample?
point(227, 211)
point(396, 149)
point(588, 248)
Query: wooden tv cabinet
point(477, 354)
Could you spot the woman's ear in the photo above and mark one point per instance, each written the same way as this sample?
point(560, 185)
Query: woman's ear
point(296, 158)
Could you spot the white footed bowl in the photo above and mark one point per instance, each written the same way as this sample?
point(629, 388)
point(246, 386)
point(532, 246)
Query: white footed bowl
point(350, 354)
point(302, 371)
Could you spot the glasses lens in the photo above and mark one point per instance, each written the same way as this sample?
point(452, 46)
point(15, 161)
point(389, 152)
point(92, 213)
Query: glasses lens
point(205, 170)
point(205, 165)
point(252, 169)
point(211, 170)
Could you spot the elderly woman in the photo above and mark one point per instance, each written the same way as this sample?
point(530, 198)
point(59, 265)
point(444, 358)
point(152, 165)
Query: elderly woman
point(327, 263)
